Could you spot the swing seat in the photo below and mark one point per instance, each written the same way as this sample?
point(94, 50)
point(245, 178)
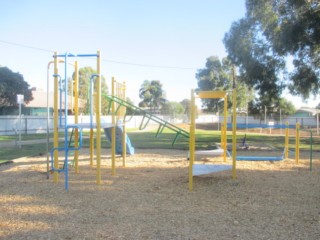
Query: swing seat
point(201, 169)
point(214, 152)
point(257, 158)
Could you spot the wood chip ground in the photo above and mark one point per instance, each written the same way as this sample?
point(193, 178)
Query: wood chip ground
point(149, 199)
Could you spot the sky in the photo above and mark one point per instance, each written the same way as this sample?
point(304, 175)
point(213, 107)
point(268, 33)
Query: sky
point(167, 40)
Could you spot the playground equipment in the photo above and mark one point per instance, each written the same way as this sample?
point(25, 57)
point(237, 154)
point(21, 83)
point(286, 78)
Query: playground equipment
point(61, 90)
point(285, 154)
point(120, 142)
point(147, 117)
point(200, 169)
point(117, 108)
point(61, 120)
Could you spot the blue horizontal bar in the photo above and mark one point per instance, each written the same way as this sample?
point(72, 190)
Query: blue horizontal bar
point(87, 55)
point(276, 126)
point(76, 55)
point(256, 158)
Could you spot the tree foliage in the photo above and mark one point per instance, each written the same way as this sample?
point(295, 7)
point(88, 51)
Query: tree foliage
point(186, 106)
point(12, 84)
point(218, 76)
point(273, 108)
point(152, 94)
point(129, 111)
point(173, 109)
point(261, 42)
point(85, 74)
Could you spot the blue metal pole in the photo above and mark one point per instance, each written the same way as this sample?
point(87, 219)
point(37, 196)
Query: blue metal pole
point(77, 55)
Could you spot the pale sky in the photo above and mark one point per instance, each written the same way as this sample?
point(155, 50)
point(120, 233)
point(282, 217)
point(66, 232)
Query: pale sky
point(139, 40)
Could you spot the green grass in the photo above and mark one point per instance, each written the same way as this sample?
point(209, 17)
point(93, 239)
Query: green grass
point(10, 153)
point(23, 137)
point(146, 139)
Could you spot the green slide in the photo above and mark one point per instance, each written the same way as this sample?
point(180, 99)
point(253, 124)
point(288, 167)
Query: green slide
point(147, 117)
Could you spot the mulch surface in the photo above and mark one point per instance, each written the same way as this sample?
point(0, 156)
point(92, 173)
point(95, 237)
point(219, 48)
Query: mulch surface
point(149, 199)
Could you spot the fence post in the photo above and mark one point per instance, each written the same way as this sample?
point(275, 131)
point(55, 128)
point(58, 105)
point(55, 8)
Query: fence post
point(25, 125)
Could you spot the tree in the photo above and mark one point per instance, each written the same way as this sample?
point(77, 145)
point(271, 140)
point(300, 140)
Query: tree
point(129, 111)
point(186, 105)
point(273, 108)
point(173, 109)
point(152, 95)
point(261, 42)
point(85, 74)
point(287, 108)
point(12, 84)
point(218, 76)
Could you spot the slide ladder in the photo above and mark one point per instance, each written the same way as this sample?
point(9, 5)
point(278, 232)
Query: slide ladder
point(147, 117)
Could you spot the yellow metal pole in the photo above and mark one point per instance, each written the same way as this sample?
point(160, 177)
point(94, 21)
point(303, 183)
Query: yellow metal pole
point(113, 132)
point(286, 141)
point(124, 140)
point(297, 142)
point(191, 139)
point(234, 129)
point(55, 118)
point(98, 118)
point(225, 113)
point(222, 137)
point(222, 141)
point(76, 115)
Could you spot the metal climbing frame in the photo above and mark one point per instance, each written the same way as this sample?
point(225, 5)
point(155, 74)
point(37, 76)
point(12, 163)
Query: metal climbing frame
point(60, 121)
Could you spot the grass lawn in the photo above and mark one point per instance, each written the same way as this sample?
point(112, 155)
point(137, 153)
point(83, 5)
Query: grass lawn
point(205, 139)
point(10, 153)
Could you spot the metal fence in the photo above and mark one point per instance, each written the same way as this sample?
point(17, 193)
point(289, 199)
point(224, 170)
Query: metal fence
point(10, 125)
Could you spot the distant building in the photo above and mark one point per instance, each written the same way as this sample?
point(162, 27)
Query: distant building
point(306, 112)
point(38, 106)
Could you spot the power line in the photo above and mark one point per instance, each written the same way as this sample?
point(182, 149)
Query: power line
point(148, 65)
point(26, 46)
point(104, 60)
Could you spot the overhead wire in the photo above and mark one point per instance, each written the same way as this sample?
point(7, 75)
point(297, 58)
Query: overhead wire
point(103, 60)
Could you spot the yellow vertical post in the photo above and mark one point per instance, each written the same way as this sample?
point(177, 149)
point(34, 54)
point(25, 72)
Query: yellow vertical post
point(55, 118)
point(286, 144)
point(76, 114)
point(225, 110)
point(221, 133)
point(224, 155)
point(234, 128)
point(191, 139)
point(113, 131)
point(222, 136)
point(297, 142)
point(124, 140)
point(98, 118)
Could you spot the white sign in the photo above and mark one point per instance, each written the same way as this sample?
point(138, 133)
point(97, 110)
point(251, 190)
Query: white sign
point(20, 98)
point(271, 123)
